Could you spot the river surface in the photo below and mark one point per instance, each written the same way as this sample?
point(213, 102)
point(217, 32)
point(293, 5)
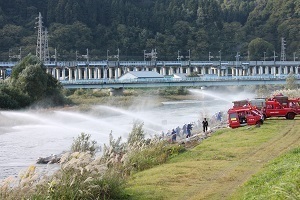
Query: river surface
point(27, 135)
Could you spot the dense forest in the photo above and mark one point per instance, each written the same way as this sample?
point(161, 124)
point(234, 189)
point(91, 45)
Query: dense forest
point(254, 28)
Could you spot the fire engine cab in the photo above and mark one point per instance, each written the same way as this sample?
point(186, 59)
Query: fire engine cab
point(243, 114)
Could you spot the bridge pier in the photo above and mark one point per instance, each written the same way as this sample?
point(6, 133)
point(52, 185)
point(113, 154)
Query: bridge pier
point(116, 91)
point(2, 73)
point(70, 74)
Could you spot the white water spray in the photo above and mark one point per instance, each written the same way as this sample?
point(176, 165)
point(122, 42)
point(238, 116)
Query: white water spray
point(27, 135)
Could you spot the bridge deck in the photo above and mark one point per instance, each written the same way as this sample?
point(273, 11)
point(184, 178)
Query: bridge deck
point(187, 82)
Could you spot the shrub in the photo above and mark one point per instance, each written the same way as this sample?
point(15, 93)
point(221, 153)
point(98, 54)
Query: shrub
point(7, 102)
point(13, 98)
point(79, 92)
point(82, 144)
point(173, 91)
point(155, 153)
point(100, 93)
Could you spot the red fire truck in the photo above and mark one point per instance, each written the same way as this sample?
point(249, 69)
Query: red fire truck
point(281, 106)
point(243, 114)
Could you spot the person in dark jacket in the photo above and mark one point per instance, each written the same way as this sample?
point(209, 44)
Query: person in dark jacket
point(173, 135)
point(204, 125)
point(188, 129)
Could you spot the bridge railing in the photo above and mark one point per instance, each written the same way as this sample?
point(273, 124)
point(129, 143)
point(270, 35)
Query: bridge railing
point(159, 63)
point(188, 79)
point(8, 64)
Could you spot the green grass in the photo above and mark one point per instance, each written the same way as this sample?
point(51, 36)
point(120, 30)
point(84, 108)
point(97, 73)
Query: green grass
point(219, 165)
point(278, 180)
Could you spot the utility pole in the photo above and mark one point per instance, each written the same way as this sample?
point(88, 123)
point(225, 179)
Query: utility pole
point(107, 51)
point(152, 55)
point(40, 41)
point(87, 55)
point(20, 53)
point(282, 56)
point(264, 56)
point(295, 56)
point(46, 49)
point(209, 56)
point(274, 56)
point(236, 63)
point(17, 56)
point(55, 55)
point(179, 56)
point(118, 56)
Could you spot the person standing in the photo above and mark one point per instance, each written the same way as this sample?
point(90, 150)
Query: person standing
point(178, 131)
point(219, 116)
point(184, 129)
point(173, 135)
point(204, 125)
point(188, 129)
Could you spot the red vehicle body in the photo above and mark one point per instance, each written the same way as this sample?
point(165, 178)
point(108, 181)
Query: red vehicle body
point(281, 106)
point(243, 114)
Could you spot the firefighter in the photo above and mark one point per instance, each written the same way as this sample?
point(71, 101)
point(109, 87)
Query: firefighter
point(204, 125)
point(188, 129)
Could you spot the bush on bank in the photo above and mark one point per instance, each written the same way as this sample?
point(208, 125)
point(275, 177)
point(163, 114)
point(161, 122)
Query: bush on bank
point(30, 84)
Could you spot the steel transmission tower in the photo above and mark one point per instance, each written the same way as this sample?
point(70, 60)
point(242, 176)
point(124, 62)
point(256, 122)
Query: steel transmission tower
point(282, 55)
point(42, 51)
point(46, 49)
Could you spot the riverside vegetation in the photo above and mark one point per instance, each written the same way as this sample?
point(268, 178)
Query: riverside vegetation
point(243, 163)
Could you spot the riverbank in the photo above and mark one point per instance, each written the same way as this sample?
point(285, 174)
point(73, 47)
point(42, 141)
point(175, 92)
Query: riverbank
point(220, 165)
point(214, 152)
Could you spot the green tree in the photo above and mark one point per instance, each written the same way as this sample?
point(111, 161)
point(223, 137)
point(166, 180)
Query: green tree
point(257, 47)
point(33, 81)
point(21, 99)
point(29, 77)
point(28, 60)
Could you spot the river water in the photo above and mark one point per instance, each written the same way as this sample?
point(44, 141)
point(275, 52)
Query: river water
point(29, 134)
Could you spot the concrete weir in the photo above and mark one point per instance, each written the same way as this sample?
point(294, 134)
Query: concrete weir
point(116, 91)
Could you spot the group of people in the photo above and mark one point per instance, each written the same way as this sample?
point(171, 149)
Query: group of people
point(185, 131)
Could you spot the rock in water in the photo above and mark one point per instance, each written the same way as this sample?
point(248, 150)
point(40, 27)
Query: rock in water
point(48, 160)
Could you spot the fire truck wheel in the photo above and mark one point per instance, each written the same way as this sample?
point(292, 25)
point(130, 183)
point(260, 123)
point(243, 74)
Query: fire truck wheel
point(264, 117)
point(290, 116)
point(258, 123)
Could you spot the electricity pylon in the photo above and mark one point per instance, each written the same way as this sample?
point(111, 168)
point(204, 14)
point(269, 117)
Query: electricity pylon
point(42, 51)
point(282, 55)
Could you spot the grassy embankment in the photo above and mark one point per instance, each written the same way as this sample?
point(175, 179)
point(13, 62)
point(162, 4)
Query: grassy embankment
point(220, 166)
point(150, 97)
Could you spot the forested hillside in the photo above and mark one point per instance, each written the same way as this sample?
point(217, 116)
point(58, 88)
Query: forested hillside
point(222, 27)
